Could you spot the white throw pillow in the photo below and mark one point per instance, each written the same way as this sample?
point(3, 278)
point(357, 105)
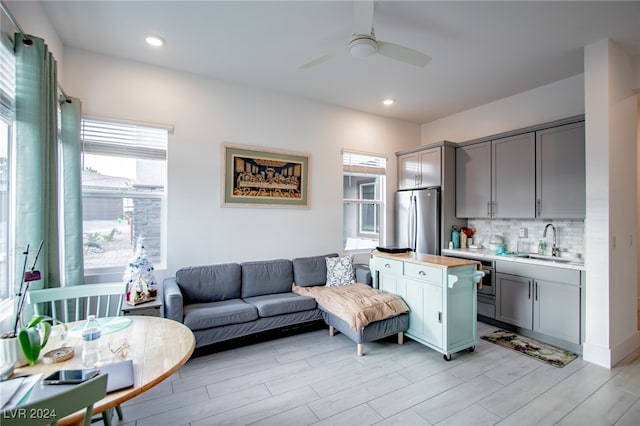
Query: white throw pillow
point(340, 271)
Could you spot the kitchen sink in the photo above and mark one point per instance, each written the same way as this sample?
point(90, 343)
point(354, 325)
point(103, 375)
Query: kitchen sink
point(552, 258)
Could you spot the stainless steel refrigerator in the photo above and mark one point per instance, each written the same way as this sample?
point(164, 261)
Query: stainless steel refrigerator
point(418, 220)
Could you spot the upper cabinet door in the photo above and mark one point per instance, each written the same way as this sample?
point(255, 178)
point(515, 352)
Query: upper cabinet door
point(430, 168)
point(560, 182)
point(420, 169)
point(473, 180)
point(408, 171)
point(513, 179)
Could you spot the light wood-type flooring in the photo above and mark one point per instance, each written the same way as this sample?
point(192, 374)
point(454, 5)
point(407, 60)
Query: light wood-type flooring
point(314, 379)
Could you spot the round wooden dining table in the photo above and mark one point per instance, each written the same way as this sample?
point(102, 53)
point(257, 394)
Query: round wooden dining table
point(158, 347)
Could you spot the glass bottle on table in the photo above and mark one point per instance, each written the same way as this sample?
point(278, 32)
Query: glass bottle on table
point(91, 342)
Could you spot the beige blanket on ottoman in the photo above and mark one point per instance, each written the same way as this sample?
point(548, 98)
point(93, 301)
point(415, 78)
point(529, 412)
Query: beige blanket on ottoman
point(356, 304)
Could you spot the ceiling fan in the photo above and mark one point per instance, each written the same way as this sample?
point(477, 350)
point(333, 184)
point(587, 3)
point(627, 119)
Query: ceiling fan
point(363, 42)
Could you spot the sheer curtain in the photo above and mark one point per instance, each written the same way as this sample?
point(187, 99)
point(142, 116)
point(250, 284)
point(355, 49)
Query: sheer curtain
point(37, 184)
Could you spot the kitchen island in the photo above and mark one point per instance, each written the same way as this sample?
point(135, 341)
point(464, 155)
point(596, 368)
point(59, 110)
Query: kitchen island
point(441, 294)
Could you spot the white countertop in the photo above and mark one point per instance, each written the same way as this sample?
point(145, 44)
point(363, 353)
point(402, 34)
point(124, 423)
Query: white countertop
point(485, 254)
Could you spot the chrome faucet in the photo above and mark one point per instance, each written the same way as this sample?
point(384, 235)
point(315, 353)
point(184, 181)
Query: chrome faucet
point(555, 251)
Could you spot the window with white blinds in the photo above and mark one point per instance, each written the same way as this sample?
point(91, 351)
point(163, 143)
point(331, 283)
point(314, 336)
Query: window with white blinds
point(363, 199)
point(123, 192)
point(7, 110)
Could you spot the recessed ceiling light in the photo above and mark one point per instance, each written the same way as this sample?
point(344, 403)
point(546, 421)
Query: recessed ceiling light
point(154, 40)
point(388, 102)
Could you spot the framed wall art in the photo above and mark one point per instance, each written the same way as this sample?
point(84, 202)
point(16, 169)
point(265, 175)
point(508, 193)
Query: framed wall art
point(261, 177)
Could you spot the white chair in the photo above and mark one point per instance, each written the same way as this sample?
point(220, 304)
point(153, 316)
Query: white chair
point(76, 303)
point(51, 409)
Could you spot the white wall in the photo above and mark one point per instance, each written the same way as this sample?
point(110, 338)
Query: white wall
point(207, 114)
point(611, 226)
point(564, 98)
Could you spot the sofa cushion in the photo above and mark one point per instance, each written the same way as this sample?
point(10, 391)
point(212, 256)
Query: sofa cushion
point(200, 316)
point(309, 271)
point(212, 283)
point(271, 305)
point(266, 277)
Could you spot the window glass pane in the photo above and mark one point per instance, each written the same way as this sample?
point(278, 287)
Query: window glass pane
point(361, 228)
point(122, 199)
point(5, 135)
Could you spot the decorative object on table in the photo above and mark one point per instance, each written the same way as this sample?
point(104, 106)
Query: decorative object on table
point(10, 342)
point(139, 278)
point(540, 351)
point(261, 177)
point(58, 355)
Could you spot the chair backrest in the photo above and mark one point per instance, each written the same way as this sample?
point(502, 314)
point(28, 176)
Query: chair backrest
point(50, 410)
point(75, 303)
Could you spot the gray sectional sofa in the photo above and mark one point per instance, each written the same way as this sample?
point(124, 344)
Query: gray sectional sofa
point(225, 301)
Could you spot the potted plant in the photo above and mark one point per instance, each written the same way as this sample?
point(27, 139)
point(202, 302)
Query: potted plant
point(11, 348)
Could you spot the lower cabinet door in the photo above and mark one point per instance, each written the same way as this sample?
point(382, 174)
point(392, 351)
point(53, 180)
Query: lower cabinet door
point(514, 302)
point(426, 316)
point(556, 309)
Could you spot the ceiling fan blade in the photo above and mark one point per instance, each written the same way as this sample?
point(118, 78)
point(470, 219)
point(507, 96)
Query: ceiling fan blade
point(403, 54)
point(362, 17)
point(323, 58)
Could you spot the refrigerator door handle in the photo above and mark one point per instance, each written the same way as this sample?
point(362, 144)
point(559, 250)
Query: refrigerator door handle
point(413, 219)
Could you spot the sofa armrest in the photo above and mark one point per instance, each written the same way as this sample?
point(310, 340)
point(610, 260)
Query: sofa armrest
point(363, 273)
point(173, 301)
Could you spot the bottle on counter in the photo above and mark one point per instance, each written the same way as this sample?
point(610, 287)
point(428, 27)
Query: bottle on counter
point(542, 247)
point(463, 240)
point(91, 343)
point(455, 237)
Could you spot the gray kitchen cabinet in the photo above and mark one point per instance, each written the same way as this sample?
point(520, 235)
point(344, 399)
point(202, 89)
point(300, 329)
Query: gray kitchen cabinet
point(514, 302)
point(420, 169)
point(544, 299)
point(513, 176)
point(556, 309)
point(497, 178)
point(473, 180)
point(560, 165)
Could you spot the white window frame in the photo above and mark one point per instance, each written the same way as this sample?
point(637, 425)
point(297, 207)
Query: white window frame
point(365, 202)
point(127, 147)
point(357, 163)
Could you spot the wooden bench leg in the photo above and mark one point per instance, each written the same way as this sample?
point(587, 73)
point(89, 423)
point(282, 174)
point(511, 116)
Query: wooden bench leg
point(400, 338)
point(332, 331)
point(360, 349)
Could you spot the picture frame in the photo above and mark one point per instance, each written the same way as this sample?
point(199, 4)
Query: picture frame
point(263, 177)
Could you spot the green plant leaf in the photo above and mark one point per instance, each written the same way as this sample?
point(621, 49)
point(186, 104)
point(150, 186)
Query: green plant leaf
point(34, 321)
point(30, 343)
point(45, 332)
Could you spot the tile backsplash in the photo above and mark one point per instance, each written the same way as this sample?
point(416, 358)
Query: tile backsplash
point(570, 234)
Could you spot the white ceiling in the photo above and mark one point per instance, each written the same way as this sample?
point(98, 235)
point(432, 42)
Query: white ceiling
point(482, 51)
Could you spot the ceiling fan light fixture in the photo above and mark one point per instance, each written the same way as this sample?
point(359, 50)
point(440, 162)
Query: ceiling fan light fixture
point(362, 47)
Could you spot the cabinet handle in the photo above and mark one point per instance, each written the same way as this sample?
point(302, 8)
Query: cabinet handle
point(529, 290)
point(386, 265)
point(538, 207)
point(536, 291)
point(421, 273)
point(489, 208)
point(440, 317)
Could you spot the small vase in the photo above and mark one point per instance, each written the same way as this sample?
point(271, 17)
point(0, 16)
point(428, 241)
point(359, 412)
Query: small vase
point(11, 351)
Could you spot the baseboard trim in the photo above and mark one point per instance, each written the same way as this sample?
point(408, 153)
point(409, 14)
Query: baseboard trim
point(608, 358)
point(626, 347)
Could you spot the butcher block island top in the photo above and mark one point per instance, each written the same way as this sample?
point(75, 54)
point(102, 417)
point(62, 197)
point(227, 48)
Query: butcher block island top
point(427, 259)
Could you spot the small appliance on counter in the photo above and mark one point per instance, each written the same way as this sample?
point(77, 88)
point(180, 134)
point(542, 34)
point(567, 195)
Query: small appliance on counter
point(496, 244)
